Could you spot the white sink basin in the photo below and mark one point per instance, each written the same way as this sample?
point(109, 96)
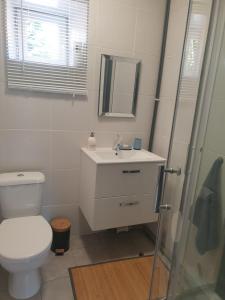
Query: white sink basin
point(108, 156)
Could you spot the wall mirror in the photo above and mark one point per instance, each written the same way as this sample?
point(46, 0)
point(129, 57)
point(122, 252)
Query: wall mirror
point(118, 91)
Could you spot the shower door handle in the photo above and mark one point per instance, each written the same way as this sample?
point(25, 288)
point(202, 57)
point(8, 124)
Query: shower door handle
point(173, 171)
point(159, 192)
point(165, 207)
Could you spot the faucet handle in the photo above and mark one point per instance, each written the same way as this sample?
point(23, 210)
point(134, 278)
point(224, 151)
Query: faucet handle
point(117, 140)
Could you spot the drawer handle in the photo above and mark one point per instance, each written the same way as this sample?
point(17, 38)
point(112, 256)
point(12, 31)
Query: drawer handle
point(123, 204)
point(131, 171)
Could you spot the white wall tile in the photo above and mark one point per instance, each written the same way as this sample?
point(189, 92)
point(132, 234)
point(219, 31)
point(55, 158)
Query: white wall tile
point(47, 188)
point(170, 77)
point(66, 149)
point(26, 113)
point(81, 226)
point(115, 25)
point(215, 140)
point(178, 14)
point(144, 113)
point(150, 5)
point(65, 187)
point(3, 151)
point(148, 39)
point(179, 154)
point(219, 89)
point(27, 150)
point(2, 70)
point(149, 73)
point(93, 18)
point(93, 68)
point(164, 117)
point(104, 138)
point(2, 107)
point(2, 87)
point(185, 118)
point(71, 114)
point(155, 6)
point(161, 145)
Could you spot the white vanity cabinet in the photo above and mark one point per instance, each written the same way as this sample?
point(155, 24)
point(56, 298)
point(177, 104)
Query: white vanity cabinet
point(119, 191)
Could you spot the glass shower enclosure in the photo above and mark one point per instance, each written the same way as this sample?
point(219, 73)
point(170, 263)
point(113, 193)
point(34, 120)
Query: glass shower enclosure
point(198, 24)
point(198, 268)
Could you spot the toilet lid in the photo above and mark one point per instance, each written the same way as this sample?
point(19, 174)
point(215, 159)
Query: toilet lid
point(25, 237)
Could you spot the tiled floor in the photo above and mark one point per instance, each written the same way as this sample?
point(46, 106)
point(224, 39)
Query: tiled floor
point(84, 250)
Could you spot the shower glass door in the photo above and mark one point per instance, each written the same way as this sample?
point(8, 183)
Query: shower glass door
point(198, 271)
point(190, 74)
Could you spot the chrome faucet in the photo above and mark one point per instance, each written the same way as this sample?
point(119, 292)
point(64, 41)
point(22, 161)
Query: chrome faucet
point(117, 141)
point(117, 149)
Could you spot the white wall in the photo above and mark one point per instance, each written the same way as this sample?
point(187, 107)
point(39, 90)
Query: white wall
point(45, 132)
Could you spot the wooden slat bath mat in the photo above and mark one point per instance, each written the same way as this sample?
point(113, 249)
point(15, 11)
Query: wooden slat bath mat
point(127, 279)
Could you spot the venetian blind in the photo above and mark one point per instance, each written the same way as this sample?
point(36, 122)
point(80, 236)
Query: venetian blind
point(46, 42)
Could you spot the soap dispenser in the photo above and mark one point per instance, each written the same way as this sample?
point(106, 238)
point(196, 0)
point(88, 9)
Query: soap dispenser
point(92, 141)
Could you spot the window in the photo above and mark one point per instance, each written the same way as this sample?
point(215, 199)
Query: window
point(47, 45)
point(195, 40)
point(195, 45)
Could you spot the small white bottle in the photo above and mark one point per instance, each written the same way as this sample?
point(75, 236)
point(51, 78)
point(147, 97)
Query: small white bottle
point(92, 141)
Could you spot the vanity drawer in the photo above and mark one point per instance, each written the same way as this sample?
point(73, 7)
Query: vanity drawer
point(123, 211)
point(126, 179)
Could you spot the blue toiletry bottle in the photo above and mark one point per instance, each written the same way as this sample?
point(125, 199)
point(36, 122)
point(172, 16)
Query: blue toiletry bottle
point(137, 144)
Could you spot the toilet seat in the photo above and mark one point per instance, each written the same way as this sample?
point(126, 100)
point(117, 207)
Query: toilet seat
point(24, 238)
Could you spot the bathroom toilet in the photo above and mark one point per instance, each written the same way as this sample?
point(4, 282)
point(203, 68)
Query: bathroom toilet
point(25, 235)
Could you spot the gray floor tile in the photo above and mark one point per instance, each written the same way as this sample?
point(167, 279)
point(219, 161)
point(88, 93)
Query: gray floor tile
point(6, 296)
point(82, 257)
point(57, 266)
point(107, 245)
point(98, 253)
point(128, 244)
point(84, 241)
point(142, 243)
point(59, 289)
point(3, 280)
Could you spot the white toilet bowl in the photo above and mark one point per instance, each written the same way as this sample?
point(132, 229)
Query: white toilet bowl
point(25, 245)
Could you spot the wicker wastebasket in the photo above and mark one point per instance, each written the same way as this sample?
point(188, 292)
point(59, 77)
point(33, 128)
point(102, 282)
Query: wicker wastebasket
point(61, 235)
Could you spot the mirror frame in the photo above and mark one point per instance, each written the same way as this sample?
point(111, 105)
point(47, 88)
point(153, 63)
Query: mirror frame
point(101, 100)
